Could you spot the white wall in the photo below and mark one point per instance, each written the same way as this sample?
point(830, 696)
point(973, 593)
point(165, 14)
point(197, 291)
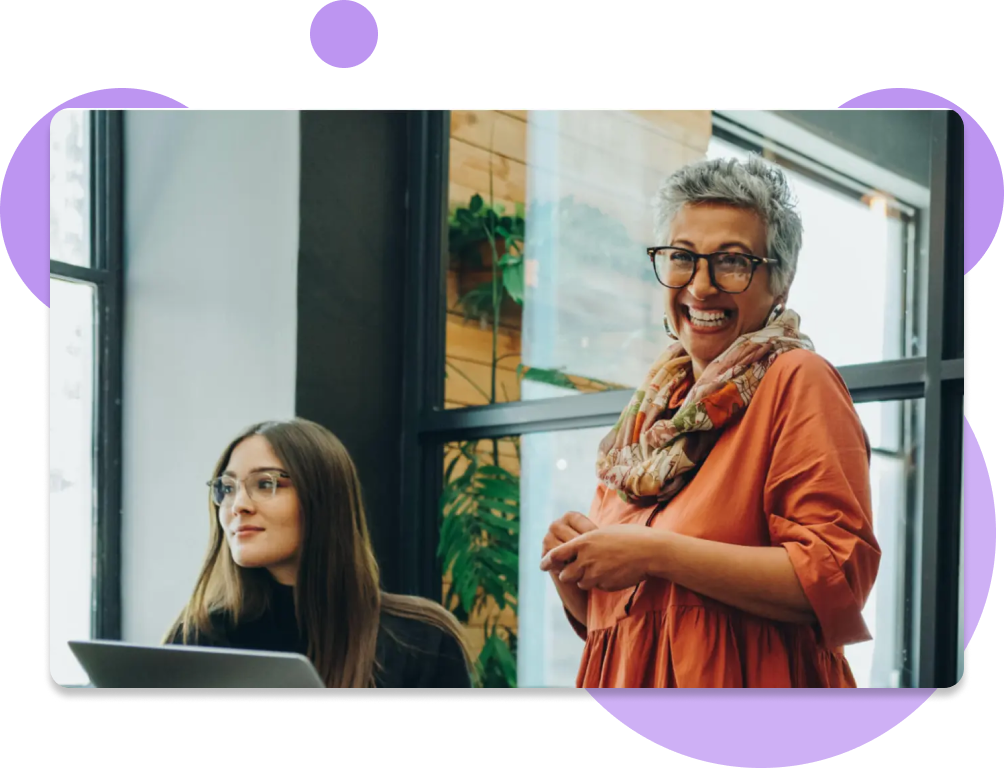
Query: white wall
point(211, 235)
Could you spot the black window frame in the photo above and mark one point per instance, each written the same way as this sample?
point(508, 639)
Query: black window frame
point(105, 274)
point(932, 605)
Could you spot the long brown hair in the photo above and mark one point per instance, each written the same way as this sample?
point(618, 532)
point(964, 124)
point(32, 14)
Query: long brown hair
point(337, 594)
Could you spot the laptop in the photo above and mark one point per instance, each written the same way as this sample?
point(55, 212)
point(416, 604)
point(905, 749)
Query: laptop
point(111, 664)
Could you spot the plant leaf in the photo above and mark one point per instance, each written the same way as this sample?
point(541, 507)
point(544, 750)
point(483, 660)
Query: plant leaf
point(448, 475)
point(551, 376)
point(497, 659)
point(498, 506)
point(512, 279)
point(490, 470)
point(477, 301)
point(498, 488)
point(502, 525)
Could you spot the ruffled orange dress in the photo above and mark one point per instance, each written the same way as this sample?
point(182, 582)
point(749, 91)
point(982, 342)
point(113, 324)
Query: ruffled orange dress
point(792, 473)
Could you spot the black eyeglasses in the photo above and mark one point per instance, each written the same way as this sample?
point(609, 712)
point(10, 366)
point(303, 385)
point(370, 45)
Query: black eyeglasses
point(730, 272)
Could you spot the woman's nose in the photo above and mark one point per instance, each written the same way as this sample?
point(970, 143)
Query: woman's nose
point(701, 286)
point(242, 502)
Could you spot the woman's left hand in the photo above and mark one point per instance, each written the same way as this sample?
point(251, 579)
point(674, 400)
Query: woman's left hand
point(610, 559)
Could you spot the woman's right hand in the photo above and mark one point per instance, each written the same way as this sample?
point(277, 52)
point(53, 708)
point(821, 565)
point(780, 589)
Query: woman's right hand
point(565, 528)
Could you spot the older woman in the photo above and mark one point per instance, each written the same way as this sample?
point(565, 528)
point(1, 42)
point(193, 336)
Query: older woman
point(730, 541)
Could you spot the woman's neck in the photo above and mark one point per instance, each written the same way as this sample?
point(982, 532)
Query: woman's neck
point(284, 574)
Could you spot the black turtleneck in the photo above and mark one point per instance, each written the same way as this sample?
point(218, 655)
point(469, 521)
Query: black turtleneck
point(410, 653)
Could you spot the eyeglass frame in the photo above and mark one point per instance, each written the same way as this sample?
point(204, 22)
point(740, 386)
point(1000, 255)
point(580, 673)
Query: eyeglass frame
point(756, 260)
point(276, 473)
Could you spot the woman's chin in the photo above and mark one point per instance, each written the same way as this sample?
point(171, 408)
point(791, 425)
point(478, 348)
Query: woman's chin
point(704, 349)
point(246, 559)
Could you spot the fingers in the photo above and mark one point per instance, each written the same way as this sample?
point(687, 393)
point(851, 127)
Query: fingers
point(550, 542)
point(563, 553)
point(556, 539)
point(570, 525)
point(572, 573)
point(578, 522)
point(563, 532)
point(564, 529)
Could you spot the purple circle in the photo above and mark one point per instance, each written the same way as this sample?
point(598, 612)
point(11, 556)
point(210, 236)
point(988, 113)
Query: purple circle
point(983, 181)
point(691, 722)
point(343, 34)
point(24, 197)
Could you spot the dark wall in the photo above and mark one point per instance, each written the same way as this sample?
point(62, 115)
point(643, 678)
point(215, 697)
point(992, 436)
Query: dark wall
point(898, 140)
point(350, 299)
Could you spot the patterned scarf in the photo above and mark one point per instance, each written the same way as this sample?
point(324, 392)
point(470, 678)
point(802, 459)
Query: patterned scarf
point(652, 453)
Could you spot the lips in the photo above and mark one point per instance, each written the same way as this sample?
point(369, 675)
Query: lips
point(247, 530)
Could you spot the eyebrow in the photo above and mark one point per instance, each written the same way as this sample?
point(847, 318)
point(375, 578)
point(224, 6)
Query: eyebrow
point(231, 473)
point(723, 246)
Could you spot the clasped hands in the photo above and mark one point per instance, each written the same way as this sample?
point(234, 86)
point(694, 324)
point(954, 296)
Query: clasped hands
point(611, 558)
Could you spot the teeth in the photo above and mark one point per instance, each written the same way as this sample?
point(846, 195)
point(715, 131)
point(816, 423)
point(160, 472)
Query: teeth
point(713, 319)
point(697, 314)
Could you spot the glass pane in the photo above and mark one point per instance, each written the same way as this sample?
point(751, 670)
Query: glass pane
point(883, 424)
point(962, 563)
point(895, 454)
point(559, 477)
point(70, 187)
point(851, 247)
point(547, 474)
point(71, 472)
point(549, 289)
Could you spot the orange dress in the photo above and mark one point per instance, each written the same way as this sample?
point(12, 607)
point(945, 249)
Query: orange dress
point(793, 473)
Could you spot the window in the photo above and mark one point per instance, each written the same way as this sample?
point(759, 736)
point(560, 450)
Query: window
point(569, 191)
point(84, 344)
point(70, 188)
point(857, 242)
point(961, 638)
point(555, 300)
point(71, 472)
point(891, 427)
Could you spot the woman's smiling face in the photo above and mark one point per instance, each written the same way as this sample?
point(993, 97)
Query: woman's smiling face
point(707, 320)
point(260, 511)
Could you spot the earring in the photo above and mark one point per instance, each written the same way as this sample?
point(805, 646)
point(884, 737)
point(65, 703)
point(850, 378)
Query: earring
point(669, 331)
point(775, 313)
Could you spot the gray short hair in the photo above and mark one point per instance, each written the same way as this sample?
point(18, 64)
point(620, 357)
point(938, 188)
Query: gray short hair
point(756, 185)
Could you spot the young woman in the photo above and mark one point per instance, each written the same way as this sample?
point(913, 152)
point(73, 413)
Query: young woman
point(290, 568)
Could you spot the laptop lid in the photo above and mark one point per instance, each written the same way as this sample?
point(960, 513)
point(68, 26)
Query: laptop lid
point(111, 664)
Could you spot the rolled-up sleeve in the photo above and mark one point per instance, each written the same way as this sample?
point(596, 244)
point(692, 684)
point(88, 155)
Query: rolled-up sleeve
point(818, 501)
